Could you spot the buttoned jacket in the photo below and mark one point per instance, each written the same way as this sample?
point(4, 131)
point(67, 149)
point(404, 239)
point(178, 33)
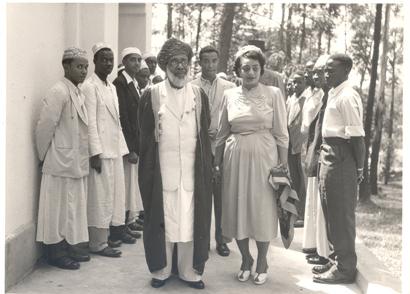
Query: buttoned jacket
point(104, 127)
point(62, 132)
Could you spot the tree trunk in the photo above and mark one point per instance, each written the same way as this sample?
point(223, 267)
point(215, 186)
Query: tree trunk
point(169, 22)
point(282, 25)
point(319, 42)
point(364, 193)
point(198, 31)
point(378, 119)
point(288, 35)
point(226, 35)
point(390, 148)
point(302, 38)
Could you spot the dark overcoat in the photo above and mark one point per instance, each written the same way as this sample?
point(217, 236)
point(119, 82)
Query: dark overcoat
point(128, 101)
point(150, 183)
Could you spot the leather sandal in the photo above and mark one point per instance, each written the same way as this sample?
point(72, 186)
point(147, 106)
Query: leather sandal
point(260, 278)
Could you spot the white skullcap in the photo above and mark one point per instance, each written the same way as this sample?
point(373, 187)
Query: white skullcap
point(100, 45)
point(321, 61)
point(130, 50)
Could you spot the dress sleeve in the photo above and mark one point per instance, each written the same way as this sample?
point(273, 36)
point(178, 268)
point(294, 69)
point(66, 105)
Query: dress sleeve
point(351, 109)
point(224, 128)
point(279, 123)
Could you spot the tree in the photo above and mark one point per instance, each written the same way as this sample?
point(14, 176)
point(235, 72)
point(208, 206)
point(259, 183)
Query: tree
point(282, 26)
point(288, 35)
point(378, 118)
point(198, 31)
point(169, 22)
point(226, 35)
point(364, 192)
point(362, 19)
point(302, 38)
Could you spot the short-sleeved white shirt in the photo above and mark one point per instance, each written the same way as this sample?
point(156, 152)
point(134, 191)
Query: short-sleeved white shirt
point(343, 116)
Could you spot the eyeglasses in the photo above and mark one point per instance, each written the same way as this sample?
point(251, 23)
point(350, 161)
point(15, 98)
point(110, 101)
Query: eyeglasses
point(176, 62)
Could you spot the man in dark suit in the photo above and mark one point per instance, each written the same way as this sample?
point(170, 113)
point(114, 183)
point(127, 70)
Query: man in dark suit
point(294, 107)
point(128, 100)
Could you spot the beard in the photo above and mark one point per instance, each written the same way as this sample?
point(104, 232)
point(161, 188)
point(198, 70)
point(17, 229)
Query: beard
point(177, 81)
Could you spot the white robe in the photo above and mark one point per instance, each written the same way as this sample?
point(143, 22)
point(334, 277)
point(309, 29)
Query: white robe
point(133, 201)
point(178, 136)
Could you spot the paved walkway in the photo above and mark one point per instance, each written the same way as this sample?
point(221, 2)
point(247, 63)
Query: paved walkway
point(288, 273)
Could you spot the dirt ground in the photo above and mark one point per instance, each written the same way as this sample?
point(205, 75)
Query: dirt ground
point(379, 225)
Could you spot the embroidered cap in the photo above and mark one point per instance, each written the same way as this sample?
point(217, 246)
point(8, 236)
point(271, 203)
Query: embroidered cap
point(74, 52)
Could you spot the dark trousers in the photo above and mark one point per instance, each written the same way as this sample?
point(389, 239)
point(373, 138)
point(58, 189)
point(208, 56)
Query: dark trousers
point(57, 250)
point(298, 182)
point(217, 197)
point(338, 193)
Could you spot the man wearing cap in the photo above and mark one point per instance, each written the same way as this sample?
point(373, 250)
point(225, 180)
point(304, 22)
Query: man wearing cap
point(294, 107)
point(106, 187)
point(128, 100)
point(151, 61)
point(214, 88)
point(341, 168)
point(175, 172)
point(62, 144)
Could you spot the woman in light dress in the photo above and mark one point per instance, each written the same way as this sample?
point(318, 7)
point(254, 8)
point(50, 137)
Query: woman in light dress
point(252, 138)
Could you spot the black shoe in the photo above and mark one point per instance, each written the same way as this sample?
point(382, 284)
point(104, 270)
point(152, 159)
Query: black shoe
point(223, 249)
point(109, 252)
point(133, 234)
point(140, 221)
point(334, 276)
point(65, 262)
point(135, 227)
point(80, 257)
point(128, 239)
point(309, 250)
point(299, 223)
point(156, 283)
point(318, 260)
point(78, 254)
point(114, 244)
point(196, 284)
point(320, 269)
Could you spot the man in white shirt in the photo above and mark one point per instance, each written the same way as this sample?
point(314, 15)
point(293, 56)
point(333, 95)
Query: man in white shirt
point(341, 169)
point(214, 88)
point(106, 187)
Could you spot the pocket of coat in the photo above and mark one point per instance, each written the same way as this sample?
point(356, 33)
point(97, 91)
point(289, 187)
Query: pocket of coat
point(63, 141)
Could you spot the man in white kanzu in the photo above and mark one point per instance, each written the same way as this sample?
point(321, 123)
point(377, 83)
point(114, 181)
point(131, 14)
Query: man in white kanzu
point(175, 171)
point(214, 88)
point(106, 187)
point(62, 146)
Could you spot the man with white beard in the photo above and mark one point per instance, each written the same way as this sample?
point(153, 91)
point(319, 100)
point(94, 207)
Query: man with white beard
point(175, 170)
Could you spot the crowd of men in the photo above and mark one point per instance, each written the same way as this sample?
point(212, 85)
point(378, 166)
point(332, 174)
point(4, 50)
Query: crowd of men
point(136, 155)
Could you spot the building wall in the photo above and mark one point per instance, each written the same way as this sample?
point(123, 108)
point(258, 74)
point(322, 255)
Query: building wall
point(37, 35)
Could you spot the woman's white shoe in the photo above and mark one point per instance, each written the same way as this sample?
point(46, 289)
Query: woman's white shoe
point(243, 275)
point(260, 279)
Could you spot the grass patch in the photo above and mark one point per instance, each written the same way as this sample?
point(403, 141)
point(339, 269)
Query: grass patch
point(379, 225)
